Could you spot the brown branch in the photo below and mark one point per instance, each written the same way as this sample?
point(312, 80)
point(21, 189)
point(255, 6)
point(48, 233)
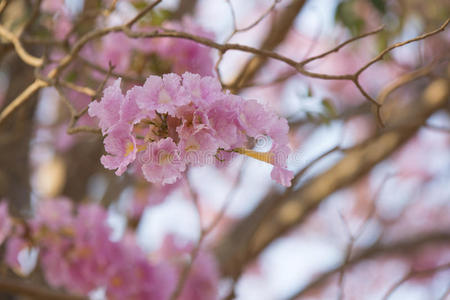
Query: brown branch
point(238, 30)
point(276, 35)
point(277, 215)
point(19, 100)
point(402, 80)
point(78, 88)
point(24, 288)
point(20, 50)
point(100, 69)
point(142, 13)
point(69, 58)
point(338, 47)
point(400, 44)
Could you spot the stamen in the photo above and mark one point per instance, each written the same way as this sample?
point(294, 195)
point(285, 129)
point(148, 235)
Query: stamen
point(267, 157)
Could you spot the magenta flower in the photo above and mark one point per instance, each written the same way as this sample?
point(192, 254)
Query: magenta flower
point(164, 165)
point(121, 147)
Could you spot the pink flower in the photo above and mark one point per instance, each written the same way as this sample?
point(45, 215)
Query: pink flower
point(164, 165)
point(53, 214)
point(223, 116)
point(190, 120)
point(279, 173)
point(130, 111)
point(282, 176)
point(254, 118)
point(13, 247)
point(161, 94)
point(108, 109)
point(116, 49)
point(121, 147)
point(202, 91)
point(5, 221)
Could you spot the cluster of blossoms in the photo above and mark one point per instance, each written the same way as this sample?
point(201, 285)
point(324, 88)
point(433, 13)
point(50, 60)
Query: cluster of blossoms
point(76, 253)
point(174, 121)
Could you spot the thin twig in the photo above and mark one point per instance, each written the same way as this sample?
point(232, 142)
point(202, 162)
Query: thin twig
point(142, 13)
point(355, 236)
point(100, 69)
point(204, 231)
point(414, 273)
point(402, 80)
point(400, 44)
point(338, 47)
point(81, 89)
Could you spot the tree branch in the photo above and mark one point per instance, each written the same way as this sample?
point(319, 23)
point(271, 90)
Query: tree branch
point(274, 38)
point(277, 215)
point(21, 287)
point(21, 52)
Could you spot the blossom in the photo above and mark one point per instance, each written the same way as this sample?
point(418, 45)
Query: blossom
point(53, 214)
point(174, 121)
point(164, 164)
point(161, 94)
point(108, 109)
point(121, 147)
point(282, 176)
point(201, 91)
point(77, 254)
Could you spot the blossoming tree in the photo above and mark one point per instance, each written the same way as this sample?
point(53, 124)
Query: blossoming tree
point(149, 150)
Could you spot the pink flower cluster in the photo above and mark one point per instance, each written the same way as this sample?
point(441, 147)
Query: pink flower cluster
point(174, 121)
point(76, 253)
